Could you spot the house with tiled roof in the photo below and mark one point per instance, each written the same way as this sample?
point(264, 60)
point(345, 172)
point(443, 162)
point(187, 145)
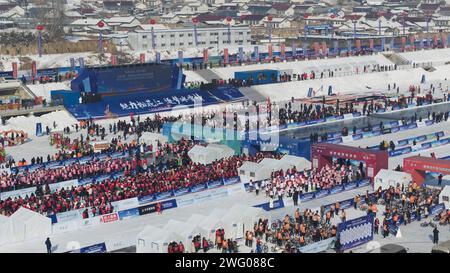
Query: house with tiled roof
point(252, 19)
point(281, 9)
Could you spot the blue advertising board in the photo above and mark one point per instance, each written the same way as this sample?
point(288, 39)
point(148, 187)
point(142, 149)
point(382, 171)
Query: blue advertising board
point(355, 232)
point(181, 191)
point(214, 184)
point(163, 195)
point(306, 196)
point(321, 193)
point(198, 187)
point(97, 248)
point(129, 213)
point(232, 180)
point(337, 189)
point(146, 199)
point(277, 204)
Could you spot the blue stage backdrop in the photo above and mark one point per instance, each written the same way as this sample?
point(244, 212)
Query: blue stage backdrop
point(127, 79)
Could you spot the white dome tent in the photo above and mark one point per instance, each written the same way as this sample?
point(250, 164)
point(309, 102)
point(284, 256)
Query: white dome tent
point(209, 154)
point(251, 171)
point(5, 229)
point(27, 224)
point(185, 231)
point(300, 163)
point(444, 197)
point(211, 224)
point(387, 178)
point(155, 240)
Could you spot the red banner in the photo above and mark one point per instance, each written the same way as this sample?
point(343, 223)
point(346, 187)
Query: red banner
point(411, 43)
point(142, 58)
point(108, 218)
point(358, 44)
point(371, 44)
point(225, 55)
point(205, 55)
point(283, 50)
point(113, 60)
point(403, 43)
point(435, 39)
point(33, 69)
point(270, 48)
point(15, 70)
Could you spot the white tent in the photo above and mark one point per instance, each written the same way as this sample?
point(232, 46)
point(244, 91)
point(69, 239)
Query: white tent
point(155, 240)
point(444, 196)
point(195, 218)
point(27, 224)
point(387, 178)
point(300, 163)
point(5, 229)
point(234, 223)
point(152, 138)
point(274, 164)
point(212, 152)
point(211, 224)
point(252, 215)
point(185, 231)
point(251, 171)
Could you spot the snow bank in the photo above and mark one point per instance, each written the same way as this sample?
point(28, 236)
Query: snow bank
point(28, 124)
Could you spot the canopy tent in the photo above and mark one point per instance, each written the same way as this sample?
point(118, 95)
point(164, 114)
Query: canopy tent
point(185, 231)
point(209, 154)
point(27, 224)
point(5, 229)
point(300, 163)
point(234, 223)
point(444, 196)
point(274, 164)
point(211, 224)
point(252, 215)
point(153, 138)
point(251, 171)
point(195, 218)
point(155, 240)
point(386, 178)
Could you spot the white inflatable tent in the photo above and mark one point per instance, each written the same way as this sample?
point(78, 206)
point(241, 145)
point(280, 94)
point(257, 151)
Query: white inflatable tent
point(274, 164)
point(212, 152)
point(300, 163)
point(185, 230)
point(444, 197)
point(27, 224)
point(386, 178)
point(251, 171)
point(234, 223)
point(5, 229)
point(155, 240)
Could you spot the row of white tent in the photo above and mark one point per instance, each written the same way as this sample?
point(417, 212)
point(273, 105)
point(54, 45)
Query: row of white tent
point(252, 171)
point(234, 221)
point(22, 225)
point(212, 152)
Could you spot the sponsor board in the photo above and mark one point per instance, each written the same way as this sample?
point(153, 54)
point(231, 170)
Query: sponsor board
point(147, 209)
point(306, 196)
point(164, 195)
point(214, 184)
point(129, 213)
point(109, 218)
point(69, 215)
point(355, 232)
point(17, 193)
point(66, 184)
point(337, 189)
point(321, 193)
point(98, 248)
point(350, 185)
point(232, 180)
point(318, 246)
point(125, 204)
point(364, 182)
point(146, 199)
point(277, 204)
point(89, 222)
point(85, 181)
point(198, 187)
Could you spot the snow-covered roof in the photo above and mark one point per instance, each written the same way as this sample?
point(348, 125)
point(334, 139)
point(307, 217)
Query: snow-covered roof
point(120, 20)
point(86, 22)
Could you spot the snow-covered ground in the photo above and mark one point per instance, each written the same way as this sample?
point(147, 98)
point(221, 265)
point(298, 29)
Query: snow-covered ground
point(44, 90)
point(356, 84)
point(434, 57)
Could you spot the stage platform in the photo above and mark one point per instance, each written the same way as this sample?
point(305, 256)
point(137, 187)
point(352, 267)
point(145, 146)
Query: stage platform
point(153, 102)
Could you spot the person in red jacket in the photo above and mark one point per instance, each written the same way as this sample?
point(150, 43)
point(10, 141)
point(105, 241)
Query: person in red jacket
point(158, 208)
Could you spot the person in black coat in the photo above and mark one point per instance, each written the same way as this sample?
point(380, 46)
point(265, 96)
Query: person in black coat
point(295, 197)
point(48, 244)
point(435, 236)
